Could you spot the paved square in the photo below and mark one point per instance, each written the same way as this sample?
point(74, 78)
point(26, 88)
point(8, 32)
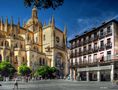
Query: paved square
point(59, 85)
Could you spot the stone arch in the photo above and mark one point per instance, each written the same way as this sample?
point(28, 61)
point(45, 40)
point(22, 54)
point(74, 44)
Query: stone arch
point(7, 58)
point(43, 61)
point(59, 58)
point(6, 43)
point(60, 64)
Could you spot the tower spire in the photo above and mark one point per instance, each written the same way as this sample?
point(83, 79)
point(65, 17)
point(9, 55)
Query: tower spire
point(34, 12)
point(18, 25)
point(11, 26)
point(65, 35)
point(6, 24)
point(53, 21)
point(65, 29)
point(18, 21)
point(23, 23)
point(1, 23)
point(44, 23)
point(12, 21)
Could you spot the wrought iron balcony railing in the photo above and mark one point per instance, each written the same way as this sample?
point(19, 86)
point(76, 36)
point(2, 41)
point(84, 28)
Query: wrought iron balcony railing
point(90, 50)
point(108, 45)
point(95, 49)
point(101, 48)
point(85, 52)
point(95, 38)
point(108, 34)
point(102, 35)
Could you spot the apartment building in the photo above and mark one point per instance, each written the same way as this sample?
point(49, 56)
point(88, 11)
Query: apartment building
point(94, 54)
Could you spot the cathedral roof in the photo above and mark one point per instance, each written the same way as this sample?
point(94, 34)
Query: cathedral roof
point(34, 18)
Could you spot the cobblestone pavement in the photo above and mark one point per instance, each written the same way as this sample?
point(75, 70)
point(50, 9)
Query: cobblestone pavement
point(59, 85)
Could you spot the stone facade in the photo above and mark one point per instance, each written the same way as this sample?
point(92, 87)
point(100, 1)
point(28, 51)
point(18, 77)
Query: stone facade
point(33, 44)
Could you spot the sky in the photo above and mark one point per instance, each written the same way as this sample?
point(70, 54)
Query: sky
point(77, 15)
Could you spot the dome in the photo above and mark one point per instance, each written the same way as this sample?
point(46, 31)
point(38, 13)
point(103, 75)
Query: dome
point(33, 21)
point(34, 18)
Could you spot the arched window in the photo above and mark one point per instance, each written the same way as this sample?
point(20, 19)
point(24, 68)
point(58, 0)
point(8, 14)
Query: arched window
point(16, 60)
point(7, 58)
point(8, 44)
point(23, 59)
point(43, 62)
point(21, 46)
point(2, 43)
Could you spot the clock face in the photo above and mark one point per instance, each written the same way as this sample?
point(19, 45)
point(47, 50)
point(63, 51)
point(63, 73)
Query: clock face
point(57, 39)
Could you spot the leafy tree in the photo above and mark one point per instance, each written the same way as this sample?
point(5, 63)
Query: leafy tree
point(42, 71)
point(24, 70)
point(45, 71)
point(6, 69)
point(44, 3)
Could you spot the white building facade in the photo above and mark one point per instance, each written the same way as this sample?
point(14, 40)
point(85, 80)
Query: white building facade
point(94, 54)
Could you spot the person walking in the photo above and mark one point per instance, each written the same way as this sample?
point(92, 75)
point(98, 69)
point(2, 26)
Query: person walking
point(15, 84)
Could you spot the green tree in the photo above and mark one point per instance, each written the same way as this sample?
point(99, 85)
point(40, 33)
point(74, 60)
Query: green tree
point(44, 3)
point(24, 70)
point(45, 71)
point(6, 69)
point(42, 71)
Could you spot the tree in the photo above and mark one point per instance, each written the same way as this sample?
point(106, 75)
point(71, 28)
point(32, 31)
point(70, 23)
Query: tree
point(24, 70)
point(45, 71)
point(44, 3)
point(42, 71)
point(6, 69)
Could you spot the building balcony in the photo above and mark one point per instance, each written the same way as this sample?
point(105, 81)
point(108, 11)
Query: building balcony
point(80, 53)
point(71, 55)
point(82, 64)
point(90, 40)
point(108, 45)
point(80, 44)
point(101, 35)
point(95, 38)
point(75, 46)
point(94, 63)
point(101, 48)
point(95, 49)
point(105, 60)
point(85, 42)
point(75, 55)
point(72, 47)
point(108, 34)
point(85, 52)
point(90, 50)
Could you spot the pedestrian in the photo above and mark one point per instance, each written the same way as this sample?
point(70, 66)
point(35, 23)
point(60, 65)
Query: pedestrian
point(27, 79)
point(15, 84)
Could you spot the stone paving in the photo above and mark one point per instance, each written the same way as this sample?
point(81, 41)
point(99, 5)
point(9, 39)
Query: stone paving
point(59, 85)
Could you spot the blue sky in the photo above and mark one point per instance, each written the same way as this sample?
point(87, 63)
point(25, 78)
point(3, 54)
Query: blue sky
point(78, 15)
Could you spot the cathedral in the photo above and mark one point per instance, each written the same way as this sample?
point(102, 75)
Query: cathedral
point(33, 44)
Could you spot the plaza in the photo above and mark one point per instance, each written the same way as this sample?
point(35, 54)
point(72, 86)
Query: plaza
point(59, 85)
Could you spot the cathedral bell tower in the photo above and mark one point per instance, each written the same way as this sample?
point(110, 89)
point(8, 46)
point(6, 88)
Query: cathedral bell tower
point(34, 12)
